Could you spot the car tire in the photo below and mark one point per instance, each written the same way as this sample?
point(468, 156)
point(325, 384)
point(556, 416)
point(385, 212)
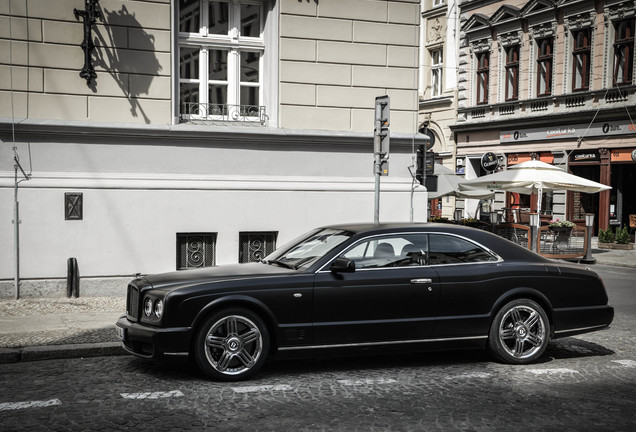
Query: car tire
point(231, 345)
point(519, 333)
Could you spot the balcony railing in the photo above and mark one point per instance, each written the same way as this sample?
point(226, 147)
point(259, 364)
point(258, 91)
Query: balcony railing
point(193, 111)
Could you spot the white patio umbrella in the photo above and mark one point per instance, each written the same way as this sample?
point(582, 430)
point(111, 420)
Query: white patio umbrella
point(533, 176)
point(448, 185)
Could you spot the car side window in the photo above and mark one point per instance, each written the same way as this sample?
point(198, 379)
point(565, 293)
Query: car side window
point(390, 251)
point(446, 249)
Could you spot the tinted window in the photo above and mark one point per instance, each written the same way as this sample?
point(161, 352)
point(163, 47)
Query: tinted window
point(446, 249)
point(390, 251)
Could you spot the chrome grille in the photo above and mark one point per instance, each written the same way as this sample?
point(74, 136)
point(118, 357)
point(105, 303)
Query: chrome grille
point(132, 303)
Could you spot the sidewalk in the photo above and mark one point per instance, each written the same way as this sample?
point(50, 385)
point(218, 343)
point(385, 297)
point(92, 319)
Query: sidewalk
point(54, 328)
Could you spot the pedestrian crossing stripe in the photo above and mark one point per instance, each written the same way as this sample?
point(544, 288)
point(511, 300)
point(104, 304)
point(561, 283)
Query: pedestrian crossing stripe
point(152, 395)
point(8, 406)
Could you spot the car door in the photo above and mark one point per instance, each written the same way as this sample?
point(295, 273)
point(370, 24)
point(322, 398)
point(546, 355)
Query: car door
point(391, 296)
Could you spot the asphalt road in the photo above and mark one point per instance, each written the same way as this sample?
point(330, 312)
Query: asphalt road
point(584, 383)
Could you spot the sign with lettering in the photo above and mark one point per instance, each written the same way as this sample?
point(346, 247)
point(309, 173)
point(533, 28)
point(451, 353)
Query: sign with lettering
point(620, 127)
point(489, 161)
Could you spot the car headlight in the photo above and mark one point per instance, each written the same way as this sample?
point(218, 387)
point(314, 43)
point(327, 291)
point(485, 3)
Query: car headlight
point(158, 308)
point(148, 306)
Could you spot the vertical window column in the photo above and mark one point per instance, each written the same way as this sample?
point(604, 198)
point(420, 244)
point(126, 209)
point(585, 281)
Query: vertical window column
point(483, 70)
point(581, 57)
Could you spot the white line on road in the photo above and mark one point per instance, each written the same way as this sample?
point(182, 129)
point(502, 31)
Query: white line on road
point(262, 388)
point(152, 395)
point(552, 371)
point(477, 375)
point(368, 381)
point(7, 406)
point(626, 363)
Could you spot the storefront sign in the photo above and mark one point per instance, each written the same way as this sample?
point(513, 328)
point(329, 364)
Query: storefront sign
point(489, 161)
point(622, 155)
point(623, 127)
point(585, 156)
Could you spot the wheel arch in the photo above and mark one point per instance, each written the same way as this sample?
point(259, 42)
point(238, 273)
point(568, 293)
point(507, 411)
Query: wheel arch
point(525, 293)
point(245, 302)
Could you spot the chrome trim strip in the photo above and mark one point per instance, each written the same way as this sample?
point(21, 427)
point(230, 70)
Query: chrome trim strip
point(176, 353)
point(582, 329)
point(365, 344)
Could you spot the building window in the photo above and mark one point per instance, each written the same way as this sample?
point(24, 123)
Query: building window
point(482, 77)
point(581, 55)
point(196, 250)
point(437, 68)
point(623, 52)
point(256, 245)
point(438, 2)
point(221, 47)
point(512, 73)
point(544, 67)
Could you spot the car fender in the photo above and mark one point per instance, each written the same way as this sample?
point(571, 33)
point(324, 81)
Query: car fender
point(238, 300)
point(523, 292)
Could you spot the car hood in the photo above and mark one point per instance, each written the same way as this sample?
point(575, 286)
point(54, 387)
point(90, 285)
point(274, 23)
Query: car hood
point(215, 274)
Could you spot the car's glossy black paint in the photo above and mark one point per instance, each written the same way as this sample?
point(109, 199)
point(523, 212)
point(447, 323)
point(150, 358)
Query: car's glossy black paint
point(318, 308)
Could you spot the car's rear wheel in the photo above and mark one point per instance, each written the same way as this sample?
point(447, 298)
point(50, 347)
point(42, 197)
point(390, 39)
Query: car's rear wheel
point(519, 333)
point(231, 345)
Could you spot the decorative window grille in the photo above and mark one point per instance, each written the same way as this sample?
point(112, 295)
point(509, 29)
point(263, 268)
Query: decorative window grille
point(512, 72)
point(256, 245)
point(74, 206)
point(581, 59)
point(483, 69)
point(624, 52)
point(544, 67)
point(437, 68)
point(220, 49)
point(196, 250)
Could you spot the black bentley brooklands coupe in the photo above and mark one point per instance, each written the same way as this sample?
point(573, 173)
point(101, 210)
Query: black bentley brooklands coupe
point(388, 286)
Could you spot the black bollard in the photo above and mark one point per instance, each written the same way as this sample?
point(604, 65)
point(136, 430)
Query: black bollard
point(72, 278)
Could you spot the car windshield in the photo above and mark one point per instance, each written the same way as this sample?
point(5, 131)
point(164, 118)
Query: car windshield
point(308, 249)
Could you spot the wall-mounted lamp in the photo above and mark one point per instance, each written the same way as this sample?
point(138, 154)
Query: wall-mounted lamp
point(90, 14)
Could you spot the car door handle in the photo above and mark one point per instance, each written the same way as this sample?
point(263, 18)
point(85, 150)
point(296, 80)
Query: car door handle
point(421, 281)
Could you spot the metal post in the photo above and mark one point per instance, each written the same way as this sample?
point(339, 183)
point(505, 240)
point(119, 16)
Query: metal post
point(376, 167)
point(589, 226)
point(16, 236)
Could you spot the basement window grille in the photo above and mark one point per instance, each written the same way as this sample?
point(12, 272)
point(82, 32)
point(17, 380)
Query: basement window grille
point(256, 245)
point(196, 250)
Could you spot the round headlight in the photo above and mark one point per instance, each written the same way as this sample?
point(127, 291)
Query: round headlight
point(158, 308)
point(148, 306)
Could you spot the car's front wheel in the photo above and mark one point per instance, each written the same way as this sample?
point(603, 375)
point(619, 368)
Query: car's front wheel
point(231, 345)
point(519, 333)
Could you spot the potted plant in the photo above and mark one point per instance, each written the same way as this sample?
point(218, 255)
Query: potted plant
point(620, 240)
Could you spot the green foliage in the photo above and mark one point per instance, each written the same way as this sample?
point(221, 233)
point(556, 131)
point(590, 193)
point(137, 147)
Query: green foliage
point(606, 236)
point(622, 235)
point(556, 223)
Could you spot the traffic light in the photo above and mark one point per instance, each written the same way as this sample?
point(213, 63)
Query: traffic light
point(420, 164)
point(382, 122)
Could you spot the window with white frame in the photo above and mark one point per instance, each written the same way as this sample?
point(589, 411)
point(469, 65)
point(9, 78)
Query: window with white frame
point(581, 58)
point(438, 2)
point(623, 52)
point(512, 73)
point(437, 75)
point(544, 66)
point(221, 49)
point(482, 73)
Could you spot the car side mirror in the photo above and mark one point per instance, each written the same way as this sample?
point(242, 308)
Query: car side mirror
point(343, 265)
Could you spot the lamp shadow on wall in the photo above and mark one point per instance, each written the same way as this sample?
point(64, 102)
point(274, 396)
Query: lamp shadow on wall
point(124, 64)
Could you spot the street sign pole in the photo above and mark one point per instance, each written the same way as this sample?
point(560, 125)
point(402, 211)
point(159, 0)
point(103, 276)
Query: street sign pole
point(380, 147)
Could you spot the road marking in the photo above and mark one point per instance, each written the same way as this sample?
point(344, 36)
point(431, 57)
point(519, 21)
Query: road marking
point(7, 406)
point(552, 371)
point(152, 395)
point(478, 375)
point(626, 363)
point(262, 388)
point(368, 381)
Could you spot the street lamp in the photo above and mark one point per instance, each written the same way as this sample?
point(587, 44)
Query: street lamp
point(534, 227)
point(589, 225)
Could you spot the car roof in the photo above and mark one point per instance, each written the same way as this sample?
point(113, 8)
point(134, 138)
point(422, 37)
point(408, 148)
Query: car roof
point(503, 247)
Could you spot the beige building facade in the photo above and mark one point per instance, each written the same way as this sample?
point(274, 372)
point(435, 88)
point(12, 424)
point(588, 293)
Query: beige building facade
point(552, 80)
point(212, 131)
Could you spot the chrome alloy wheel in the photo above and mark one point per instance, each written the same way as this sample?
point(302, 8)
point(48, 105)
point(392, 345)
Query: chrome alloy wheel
point(522, 332)
point(233, 345)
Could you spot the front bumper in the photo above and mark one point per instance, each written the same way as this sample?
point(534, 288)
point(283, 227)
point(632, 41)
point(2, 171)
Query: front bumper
point(153, 342)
